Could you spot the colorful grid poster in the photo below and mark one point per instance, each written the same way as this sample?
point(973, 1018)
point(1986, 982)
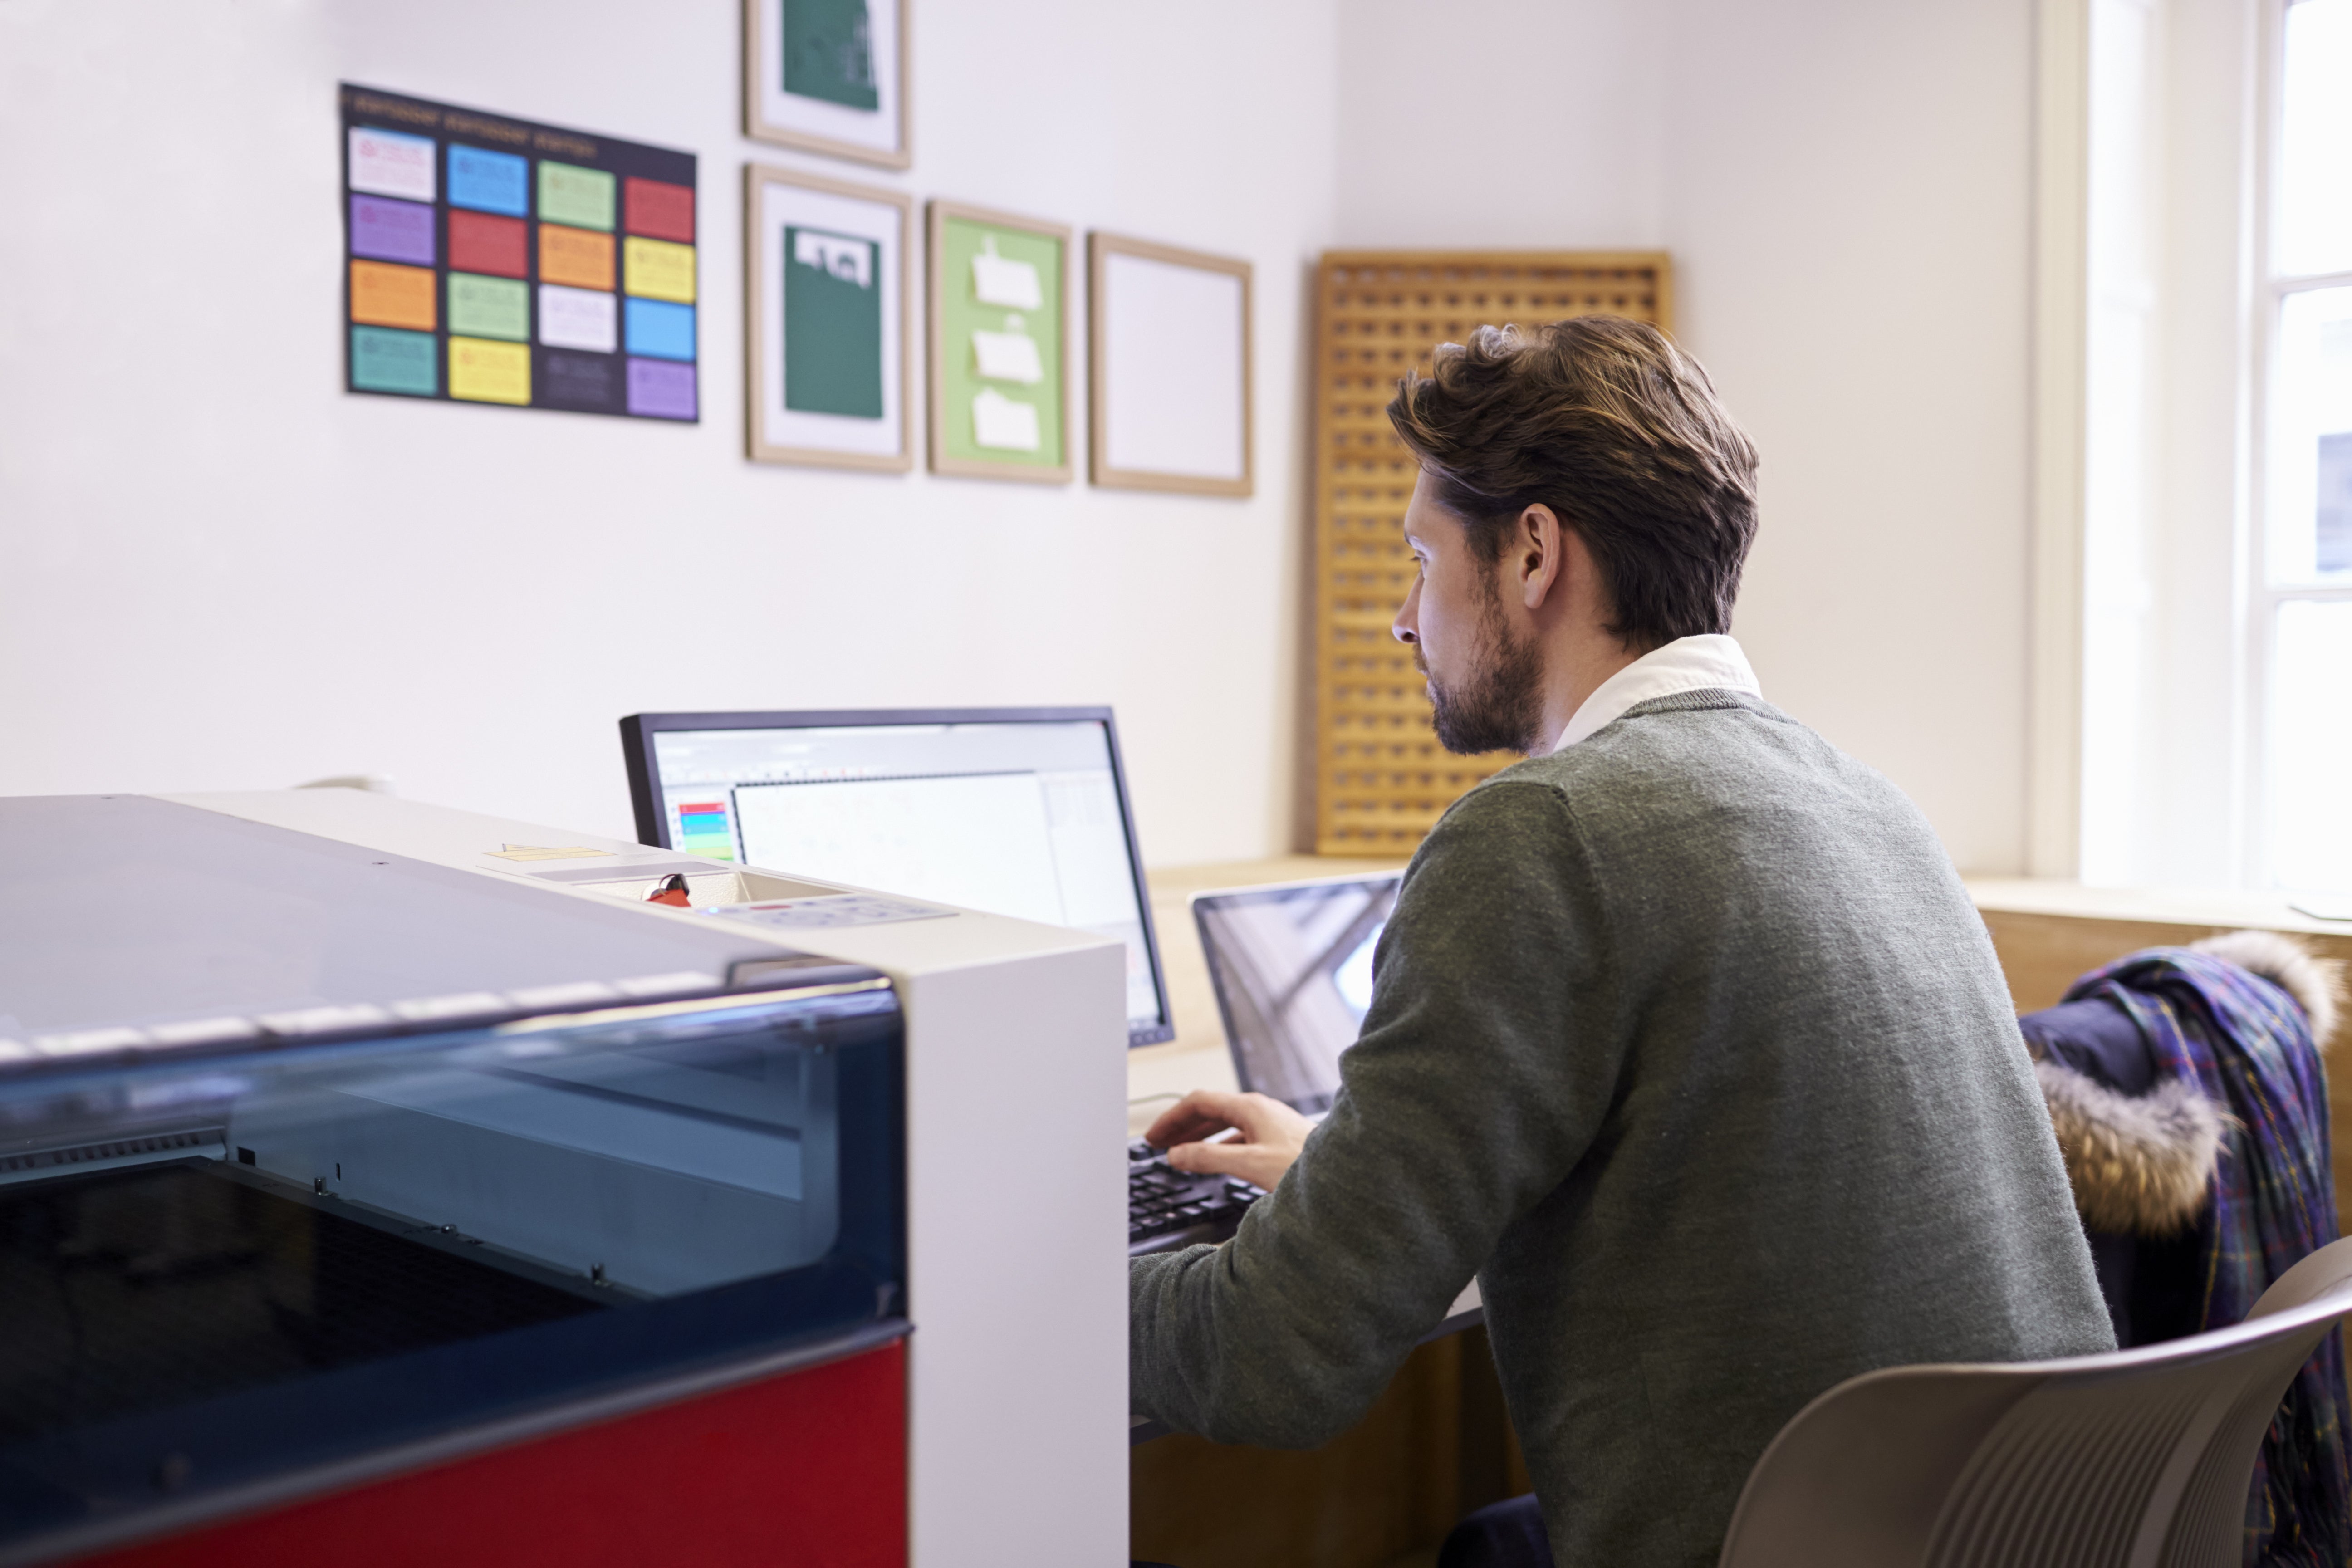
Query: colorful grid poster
point(496, 260)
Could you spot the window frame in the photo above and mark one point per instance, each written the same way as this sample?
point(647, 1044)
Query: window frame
point(2266, 591)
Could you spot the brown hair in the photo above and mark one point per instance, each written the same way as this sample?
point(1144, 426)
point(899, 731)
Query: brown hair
point(1618, 431)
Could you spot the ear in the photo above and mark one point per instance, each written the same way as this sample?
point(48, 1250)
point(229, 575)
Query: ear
point(1537, 562)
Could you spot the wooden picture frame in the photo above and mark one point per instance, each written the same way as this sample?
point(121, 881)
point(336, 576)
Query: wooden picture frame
point(1216, 455)
point(966, 391)
point(828, 431)
point(773, 113)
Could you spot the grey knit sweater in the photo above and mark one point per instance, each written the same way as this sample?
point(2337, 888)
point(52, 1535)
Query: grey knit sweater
point(1687, 1042)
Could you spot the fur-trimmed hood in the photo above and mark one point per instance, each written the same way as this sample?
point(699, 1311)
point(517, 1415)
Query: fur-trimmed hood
point(2144, 1163)
point(2141, 1163)
point(2315, 983)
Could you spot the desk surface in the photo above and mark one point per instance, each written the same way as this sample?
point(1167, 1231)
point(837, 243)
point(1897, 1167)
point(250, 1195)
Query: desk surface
point(2266, 908)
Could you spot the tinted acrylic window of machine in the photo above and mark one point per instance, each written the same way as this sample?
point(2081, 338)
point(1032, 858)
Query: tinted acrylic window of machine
point(207, 1274)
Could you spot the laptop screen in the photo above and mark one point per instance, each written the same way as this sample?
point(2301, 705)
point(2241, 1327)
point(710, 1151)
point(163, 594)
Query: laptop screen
point(1021, 814)
point(1293, 969)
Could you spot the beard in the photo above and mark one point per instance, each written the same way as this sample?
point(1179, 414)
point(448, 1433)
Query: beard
point(1499, 706)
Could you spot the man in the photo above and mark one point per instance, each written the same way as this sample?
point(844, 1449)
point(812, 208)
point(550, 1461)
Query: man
point(1685, 1037)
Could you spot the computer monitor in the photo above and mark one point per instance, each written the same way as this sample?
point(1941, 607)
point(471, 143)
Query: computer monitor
point(1293, 969)
point(1018, 812)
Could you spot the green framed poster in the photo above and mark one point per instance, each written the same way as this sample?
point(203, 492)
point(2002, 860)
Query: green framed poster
point(828, 76)
point(999, 333)
point(826, 313)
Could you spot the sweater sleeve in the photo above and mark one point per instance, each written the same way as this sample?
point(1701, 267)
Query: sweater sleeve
point(1487, 1061)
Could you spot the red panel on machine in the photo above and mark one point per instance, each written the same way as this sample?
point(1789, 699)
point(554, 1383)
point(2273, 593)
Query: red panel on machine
point(809, 1467)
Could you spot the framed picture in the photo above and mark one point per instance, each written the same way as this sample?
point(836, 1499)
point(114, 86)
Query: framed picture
point(1168, 354)
point(999, 333)
point(828, 76)
point(827, 355)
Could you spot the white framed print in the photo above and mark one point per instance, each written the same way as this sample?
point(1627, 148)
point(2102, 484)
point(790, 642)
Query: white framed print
point(1169, 355)
point(828, 76)
point(827, 354)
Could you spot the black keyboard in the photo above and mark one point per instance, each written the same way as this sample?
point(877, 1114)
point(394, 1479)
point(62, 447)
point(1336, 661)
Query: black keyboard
point(1168, 1207)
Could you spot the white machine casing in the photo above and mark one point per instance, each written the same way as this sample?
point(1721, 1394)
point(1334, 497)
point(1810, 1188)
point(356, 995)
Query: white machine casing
point(1016, 1111)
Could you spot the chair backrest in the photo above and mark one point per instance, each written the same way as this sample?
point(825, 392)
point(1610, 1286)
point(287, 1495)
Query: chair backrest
point(2141, 1459)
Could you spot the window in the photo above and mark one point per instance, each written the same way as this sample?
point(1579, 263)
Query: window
point(2302, 610)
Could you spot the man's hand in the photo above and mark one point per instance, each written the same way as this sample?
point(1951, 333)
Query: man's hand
point(1271, 1134)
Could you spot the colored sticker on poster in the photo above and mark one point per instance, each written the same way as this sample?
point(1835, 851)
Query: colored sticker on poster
point(487, 260)
point(390, 163)
point(403, 363)
point(387, 230)
point(576, 319)
point(481, 372)
point(657, 269)
point(489, 307)
point(660, 329)
point(575, 257)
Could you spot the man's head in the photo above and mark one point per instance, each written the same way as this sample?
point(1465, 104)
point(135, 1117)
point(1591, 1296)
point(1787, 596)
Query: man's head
point(1580, 491)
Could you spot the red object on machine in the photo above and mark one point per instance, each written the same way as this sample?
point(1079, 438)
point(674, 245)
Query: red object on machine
point(807, 1467)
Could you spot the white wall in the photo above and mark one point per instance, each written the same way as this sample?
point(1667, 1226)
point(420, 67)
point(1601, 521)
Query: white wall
point(1523, 123)
point(219, 571)
point(1845, 187)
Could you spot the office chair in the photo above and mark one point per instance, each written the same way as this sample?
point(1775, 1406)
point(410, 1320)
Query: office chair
point(2138, 1457)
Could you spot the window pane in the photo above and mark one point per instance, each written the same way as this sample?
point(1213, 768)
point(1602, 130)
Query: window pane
point(2311, 747)
point(2315, 166)
point(2310, 499)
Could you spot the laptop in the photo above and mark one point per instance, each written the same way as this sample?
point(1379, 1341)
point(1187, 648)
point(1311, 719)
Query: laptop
point(1014, 811)
point(1292, 966)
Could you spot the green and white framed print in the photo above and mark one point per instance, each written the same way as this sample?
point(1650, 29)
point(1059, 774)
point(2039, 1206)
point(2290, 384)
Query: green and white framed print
point(999, 333)
point(828, 76)
point(826, 315)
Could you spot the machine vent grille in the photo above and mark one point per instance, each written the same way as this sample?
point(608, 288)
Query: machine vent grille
point(154, 1145)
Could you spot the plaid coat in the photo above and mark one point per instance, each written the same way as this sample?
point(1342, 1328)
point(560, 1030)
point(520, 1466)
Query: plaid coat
point(2248, 1044)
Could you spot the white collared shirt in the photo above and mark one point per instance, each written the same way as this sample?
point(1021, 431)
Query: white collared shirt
point(1709, 663)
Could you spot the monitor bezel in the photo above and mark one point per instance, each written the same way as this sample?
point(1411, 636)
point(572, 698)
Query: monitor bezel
point(638, 730)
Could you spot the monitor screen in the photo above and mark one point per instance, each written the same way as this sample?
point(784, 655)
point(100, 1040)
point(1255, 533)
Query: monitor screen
point(1009, 814)
point(1293, 969)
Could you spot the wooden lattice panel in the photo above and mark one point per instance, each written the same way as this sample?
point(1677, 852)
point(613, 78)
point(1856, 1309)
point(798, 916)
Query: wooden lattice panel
point(1382, 779)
